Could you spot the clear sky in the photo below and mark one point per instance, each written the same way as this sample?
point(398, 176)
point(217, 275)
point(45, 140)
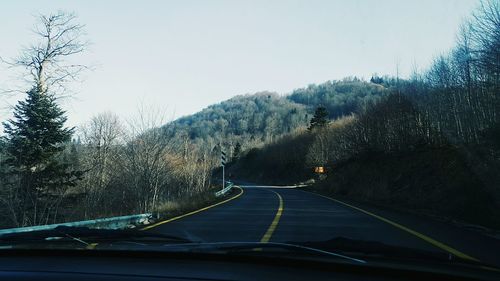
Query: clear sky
point(185, 55)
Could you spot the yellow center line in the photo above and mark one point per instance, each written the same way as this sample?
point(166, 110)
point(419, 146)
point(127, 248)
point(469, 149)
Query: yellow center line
point(194, 212)
point(426, 238)
point(274, 223)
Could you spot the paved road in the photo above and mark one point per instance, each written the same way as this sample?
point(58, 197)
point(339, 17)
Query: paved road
point(280, 214)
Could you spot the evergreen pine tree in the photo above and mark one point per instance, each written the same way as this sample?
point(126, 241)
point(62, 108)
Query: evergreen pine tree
point(35, 138)
point(237, 151)
point(320, 118)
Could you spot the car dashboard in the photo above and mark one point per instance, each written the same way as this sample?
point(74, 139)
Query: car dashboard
point(110, 265)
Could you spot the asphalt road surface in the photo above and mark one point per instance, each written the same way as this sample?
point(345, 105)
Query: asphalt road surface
point(284, 214)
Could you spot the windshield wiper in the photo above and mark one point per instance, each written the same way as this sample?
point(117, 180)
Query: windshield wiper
point(85, 235)
point(257, 248)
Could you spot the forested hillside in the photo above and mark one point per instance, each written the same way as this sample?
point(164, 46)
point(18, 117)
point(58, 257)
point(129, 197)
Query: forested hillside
point(431, 145)
point(252, 120)
point(247, 119)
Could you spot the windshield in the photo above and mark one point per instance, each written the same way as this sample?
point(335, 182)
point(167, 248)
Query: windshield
point(349, 131)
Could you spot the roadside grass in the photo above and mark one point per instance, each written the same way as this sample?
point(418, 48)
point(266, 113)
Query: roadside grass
point(173, 208)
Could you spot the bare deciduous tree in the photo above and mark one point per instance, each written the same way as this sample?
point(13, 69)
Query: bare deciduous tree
point(101, 138)
point(46, 60)
point(145, 154)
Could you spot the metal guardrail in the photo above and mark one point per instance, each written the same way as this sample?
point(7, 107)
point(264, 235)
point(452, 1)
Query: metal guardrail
point(229, 186)
point(109, 223)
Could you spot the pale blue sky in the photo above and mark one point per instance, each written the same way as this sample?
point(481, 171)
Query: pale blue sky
point(185, 55)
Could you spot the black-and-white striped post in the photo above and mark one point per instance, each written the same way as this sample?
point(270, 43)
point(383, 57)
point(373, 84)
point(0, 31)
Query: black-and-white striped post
point(223, 163)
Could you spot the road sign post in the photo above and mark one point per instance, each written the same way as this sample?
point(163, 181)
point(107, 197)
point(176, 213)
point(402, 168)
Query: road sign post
point(223, 163)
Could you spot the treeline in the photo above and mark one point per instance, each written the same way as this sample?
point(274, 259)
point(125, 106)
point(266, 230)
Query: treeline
point(135, 168)
point(110, 168)
point(340, 98)
point(450, 110)
point(249, 121)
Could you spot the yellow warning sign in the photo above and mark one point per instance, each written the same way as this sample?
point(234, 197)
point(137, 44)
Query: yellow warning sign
point(319, 170)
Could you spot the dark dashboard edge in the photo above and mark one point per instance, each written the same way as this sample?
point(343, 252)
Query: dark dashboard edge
point(370, 269)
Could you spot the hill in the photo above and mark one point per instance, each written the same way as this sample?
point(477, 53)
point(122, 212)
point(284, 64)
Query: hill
point(255, 119)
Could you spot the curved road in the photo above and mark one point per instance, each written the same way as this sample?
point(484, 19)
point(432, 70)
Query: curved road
point(283, 214)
